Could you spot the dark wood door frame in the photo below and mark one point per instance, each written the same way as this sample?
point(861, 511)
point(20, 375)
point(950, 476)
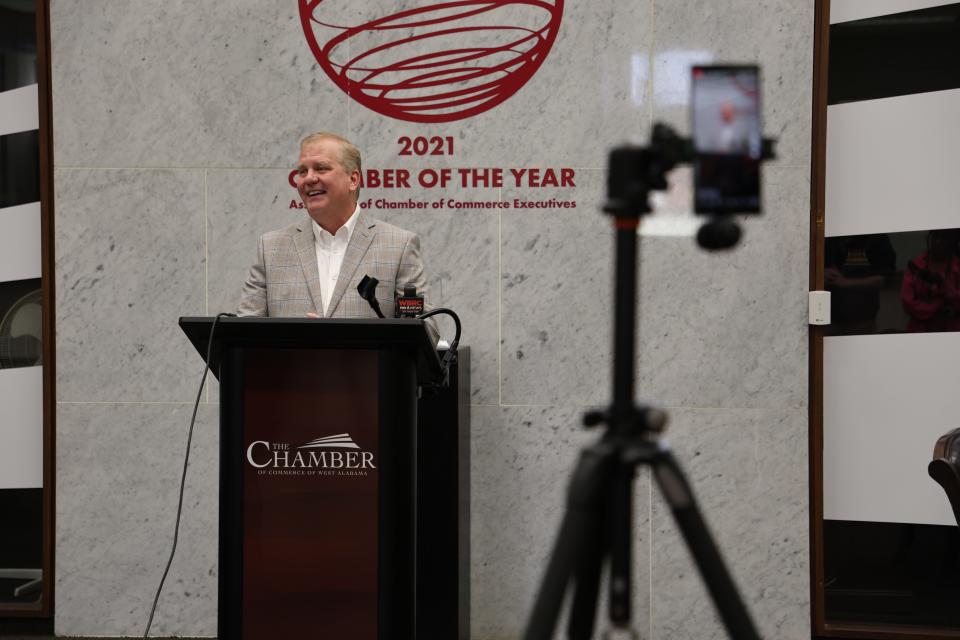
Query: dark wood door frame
point(821, 52)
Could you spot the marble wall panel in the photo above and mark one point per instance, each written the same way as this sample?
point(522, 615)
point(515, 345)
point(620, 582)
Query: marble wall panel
point(521, 462)
point(556, 289)
point(148, 84)
point(729, 329)
point(241, 206)
point(130, 261)
point(118, 475)
point(780, 40)
point(590, 92)
point(749, 473)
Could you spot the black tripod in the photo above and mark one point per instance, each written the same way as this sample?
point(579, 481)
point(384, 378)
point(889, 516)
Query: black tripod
point(598, 521)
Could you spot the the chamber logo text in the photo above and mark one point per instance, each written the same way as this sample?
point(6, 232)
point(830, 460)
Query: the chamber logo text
point(336, 455)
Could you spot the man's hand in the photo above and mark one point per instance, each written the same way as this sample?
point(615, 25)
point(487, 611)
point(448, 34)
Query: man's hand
point(311, 314)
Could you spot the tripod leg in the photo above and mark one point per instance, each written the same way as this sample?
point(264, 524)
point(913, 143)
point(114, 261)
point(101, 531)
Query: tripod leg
point(620, 518)
point(584, 510)
point(678, 494)
point(583, 611)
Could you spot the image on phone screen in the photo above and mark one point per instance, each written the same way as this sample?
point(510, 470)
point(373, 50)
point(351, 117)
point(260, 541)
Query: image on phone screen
point(727, 138)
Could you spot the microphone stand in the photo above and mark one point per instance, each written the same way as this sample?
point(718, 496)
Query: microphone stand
point(598, 521)
point(367, 288)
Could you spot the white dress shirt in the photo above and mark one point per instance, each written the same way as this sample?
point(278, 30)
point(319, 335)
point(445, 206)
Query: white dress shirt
point(330, 252)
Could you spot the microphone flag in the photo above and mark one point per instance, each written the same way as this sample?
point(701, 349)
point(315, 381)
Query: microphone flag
point(409, 305)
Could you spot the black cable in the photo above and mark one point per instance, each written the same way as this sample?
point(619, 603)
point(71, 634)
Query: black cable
point(451, 353)
point(183, 477)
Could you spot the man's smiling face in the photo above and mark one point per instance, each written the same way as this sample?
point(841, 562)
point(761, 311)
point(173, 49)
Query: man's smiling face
point(327, 189)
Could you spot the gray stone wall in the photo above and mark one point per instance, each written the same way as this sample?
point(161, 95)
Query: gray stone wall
point(176, 124)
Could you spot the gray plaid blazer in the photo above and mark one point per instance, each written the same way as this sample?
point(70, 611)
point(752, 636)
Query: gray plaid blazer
point(285, 280)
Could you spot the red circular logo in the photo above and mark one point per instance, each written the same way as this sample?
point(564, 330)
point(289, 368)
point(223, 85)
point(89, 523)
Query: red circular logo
point(436, 62)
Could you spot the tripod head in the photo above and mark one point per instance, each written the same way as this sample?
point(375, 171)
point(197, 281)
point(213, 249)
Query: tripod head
point(635, 171)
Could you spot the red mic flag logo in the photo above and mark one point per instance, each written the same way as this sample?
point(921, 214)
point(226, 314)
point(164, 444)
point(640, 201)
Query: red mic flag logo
point(436, 61)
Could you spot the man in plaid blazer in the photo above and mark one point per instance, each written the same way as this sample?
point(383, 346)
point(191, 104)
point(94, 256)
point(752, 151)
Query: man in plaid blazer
point(312, 267)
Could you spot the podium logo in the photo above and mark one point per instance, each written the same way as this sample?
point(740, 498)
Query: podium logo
point(330, 455)
point(430, 61)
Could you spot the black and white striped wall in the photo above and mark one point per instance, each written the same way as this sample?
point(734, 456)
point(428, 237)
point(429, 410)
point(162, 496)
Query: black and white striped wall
point(892, 176)
point(21, 385)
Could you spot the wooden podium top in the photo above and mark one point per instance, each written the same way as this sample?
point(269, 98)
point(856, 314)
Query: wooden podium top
point(315, 333)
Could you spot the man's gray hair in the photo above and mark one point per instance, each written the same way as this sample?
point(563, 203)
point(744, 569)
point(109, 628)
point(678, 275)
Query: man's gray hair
point(349, 154)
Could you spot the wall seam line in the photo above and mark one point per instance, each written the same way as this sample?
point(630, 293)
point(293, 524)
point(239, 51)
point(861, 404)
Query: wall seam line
point(206, 269)
point(500, 300)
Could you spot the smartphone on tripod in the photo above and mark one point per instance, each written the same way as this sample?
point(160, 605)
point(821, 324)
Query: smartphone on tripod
point(727, 138)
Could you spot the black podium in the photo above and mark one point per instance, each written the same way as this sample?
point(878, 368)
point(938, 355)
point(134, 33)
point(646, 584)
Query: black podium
point(317, 474)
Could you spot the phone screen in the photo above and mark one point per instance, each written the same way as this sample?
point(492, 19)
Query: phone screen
point(727, 138)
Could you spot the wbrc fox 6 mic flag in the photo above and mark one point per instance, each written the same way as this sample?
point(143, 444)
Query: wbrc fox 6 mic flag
point(409, 305)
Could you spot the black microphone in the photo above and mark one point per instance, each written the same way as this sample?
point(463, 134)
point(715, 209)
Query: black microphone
point(719, 233)
point(409, 305)
point(368, 291)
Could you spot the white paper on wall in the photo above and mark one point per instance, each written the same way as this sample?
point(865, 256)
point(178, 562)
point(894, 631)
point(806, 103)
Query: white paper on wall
point(880, 425)
point(21, 428)
point(19, 110)
point(847, 10)
point(20, 242)
point(892, 164)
